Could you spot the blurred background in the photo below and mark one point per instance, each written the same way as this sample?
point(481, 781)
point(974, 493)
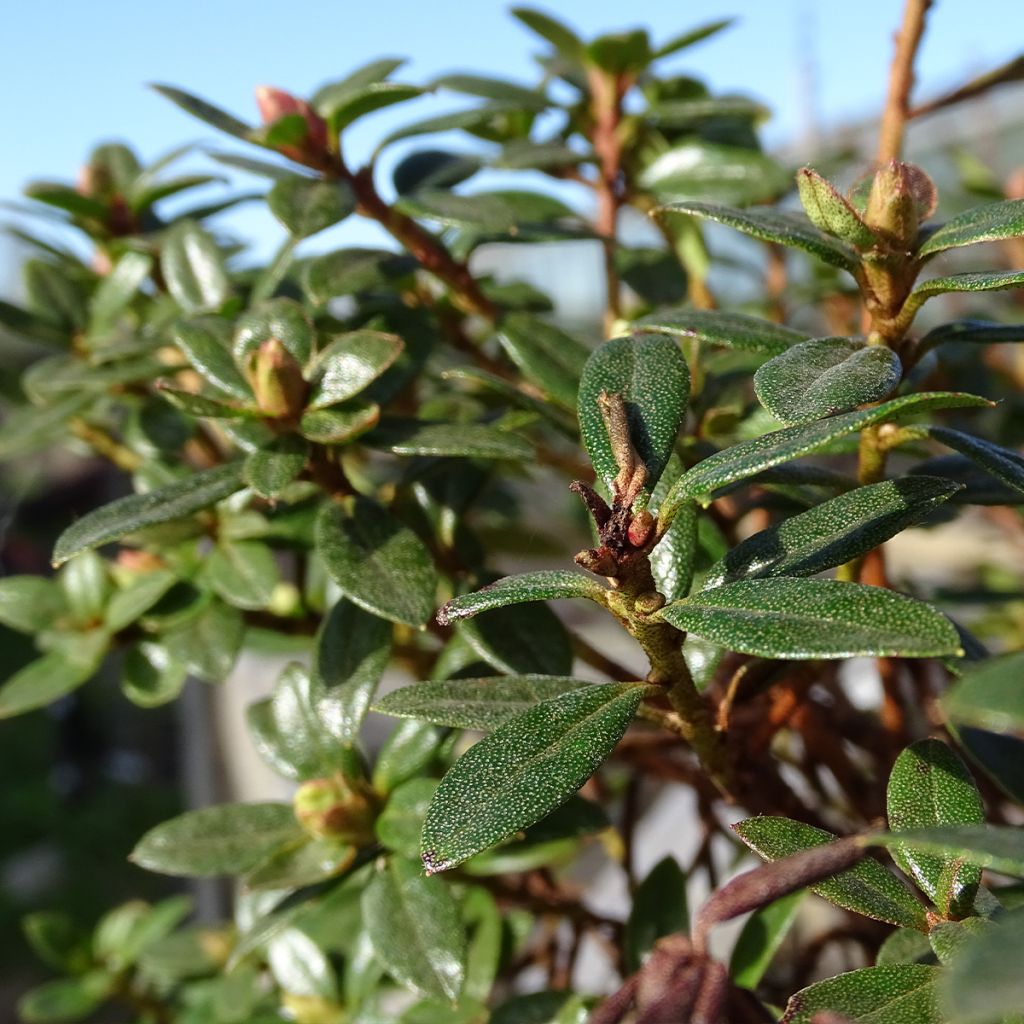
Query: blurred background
point(86, 777)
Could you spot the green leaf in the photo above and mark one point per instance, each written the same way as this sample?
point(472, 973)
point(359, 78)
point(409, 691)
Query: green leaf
point(763, 933)
point(350, 271)
point(243, 573)
point(30, 604)
point(989, 695)
point(772, 226)
point(379, 564)
point(208, 644)
point(545, 356)
point(544, 585)
point(269, 471)
point(407, 753)
point(54, 675)
point(620, 53)
point(981, 332)
point(399, 825)
point(136, 598)
point(807, 619)
point(523, 770)
point(352, 651)
point(342, 423)
point(867, 888)
point(415, 928)
point(87, 586)
point(719, 327)
point(464, 440)
point(688, 113)
point(829, 210)
point(304, 862)
point(696, 169)
point(124, 932)
point(282, 319)
point(824, 376)
point(199, 404)
point(482, 703)
point(374, 71)
point(905, 946)
point(343, 108)
point(66, 999)
point(206, 341)
point(558, 34)
point(750, 457)
point(207, 112)
point(308, 205)
point(986, 223)
point(834, 532)
point(493, 89)
point(300, 966)
point(872, 995)
point(486, 943)
point(1003, 463)
point(150, 677)
point(433, 169)
point(999, 756)
point(349, 364)
point(117, 289)
point(58, 941)
point(491, 212)
point(694, 35)
point(650, 374)
point(137, 511)
point(992, 281)
point(63, 197)
point(193, 268)
point(997, 847)
point(521, 639)
point(227, 839)
point(659, 909)
point(929, 785)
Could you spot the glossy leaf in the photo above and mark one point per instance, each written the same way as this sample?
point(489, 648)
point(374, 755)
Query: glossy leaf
point(998, 847)
point(198, 404)
point(659, 909)
point(52, 676)
point(415, 928)
point(545, 356)
point(762, 936)
point(990, 695)
point(306, 206)
point(193, 268)
point(987, 223)
point(343, 108)
point(341, 423)
point(980, 281)
point(1003, 463)
point(521, 639)
point(406, 754)
point(895, 994)
point(650, 374)
point(350, 271)
point(824, 376)
point(561, 37)
point(400, 822)
point(523, 770)
point(150, 677)
point(349, 364)
point(829, 210)
point(207, 343)
point(284, 320)
point(833, 532)
point(118, 289)
point(867, 888)
point(543, 585)
point(482, 703)
point(219, 840)
point(30, 604)
point(208, 644)
point(301, 863)
point(137, 511)
point(300, 967)
point(243, 573)
point(722, 327)
point(269, 471)
point(379, 564)
point(772, 226)
point(463, 440)
point(981, 332)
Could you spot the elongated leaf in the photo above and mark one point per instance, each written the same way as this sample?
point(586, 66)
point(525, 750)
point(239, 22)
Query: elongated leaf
point(992, 281)
point(66, 999)
point(872, 995)
point(150, 677)
point(523, 770)
point(207, 343)
point(406, 754)
point(433, 169)
point(829, 210)
point(207, 112)
point(342, 423)
point(689, 38)
point(929, 785)
point(55, 674)
point(342, 109)
point(374, 71)
point(208, 643)
point(659, 909)
point(998, 847)
point(833, 532)
point(650, 374)
point(415, 929)
point(764, 932)
point(201, 405)
point(477, 119)
point(544, 585)
point(118, 289)
point(545, 356)
point(1001, 462)
point(379, 564)
point(350, 271)
point(493, 89)
point(905, 946)
point(990, 696)
point(399, 825)
point(867, 888)
point(804, 618)
point(305, 206)
point(696, 169)
point(981, 224)
point(136, 598)
point(193, 268)
point(561, 37)
point(138, 511)
point(824, 376)
point(687, 113)
point(981, 332)
point(466, 440)
point(483, 703)
point(300, 966)
point(721, 327)
point(30, 604)
point(349, 364)
point(772, 226)
point(220, 840)
point(520, 639)
point(749, 457)
point(243, 573)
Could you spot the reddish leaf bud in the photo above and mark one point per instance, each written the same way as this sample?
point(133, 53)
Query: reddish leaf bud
point(641, 528)
point(275, 103)
point(277, 381)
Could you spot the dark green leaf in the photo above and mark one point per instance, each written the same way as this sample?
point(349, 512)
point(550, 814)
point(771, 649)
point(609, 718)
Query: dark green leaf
point(282, 319)
point(679, 114)
point(833, 532)
point(621, 52)
point(406, 754)
point(523, 770)
point(243, 573)
point(66, 999)
point(545, 356)
point(1003, 463)
point(300, 966)
point(349, 364)
point(998, 847)
point(350, 271)
point(150, 676)
point(929, 785)
point(986, 223)
point(55, 674)
point(989, 695)
point(208, 643)
point(221, 840)
point(829, 210)
point(342, 108)
point(867, 888)
point(401, 821)
point(905, 946)
point(696, 169)
point(659, 909)
point(374, 71)
point(342, 423)
point(207, 343)
point(824, 376)
point(30, 325)
point(872, 995)
point(379, 564)
point(466, 440)
point(694, 35)
point(63, 197)
point(773, 226)
point(544, 585)
point(981, 332)
point(992, 281)
point(193, 268)
point(268, 471)
point(521, 640)
point(433, 169)
point(483, 703)
point(719, 327)
point(999, 756)
point(807, 618)
point(305, 206)
point(58, 941)
point(415, 928)
point(650, 374)
point(138, 511)
point(117, 290)
point(763, 933)
point(136, 598)
point(477, 119)
point(561, 37)
point(207, 112)
point(493, 89)
point(497, 212)
point(30, 604)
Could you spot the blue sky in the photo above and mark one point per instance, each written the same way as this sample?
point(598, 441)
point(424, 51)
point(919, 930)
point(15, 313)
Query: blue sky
point(75, 73)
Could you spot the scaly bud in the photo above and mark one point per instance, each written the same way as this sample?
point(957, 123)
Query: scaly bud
point(902, 196)
point(277, 381)
point(276, 103)
point(336, 809)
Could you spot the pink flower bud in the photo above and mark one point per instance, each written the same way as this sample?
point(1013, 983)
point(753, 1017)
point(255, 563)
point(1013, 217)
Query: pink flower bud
point(276, 103)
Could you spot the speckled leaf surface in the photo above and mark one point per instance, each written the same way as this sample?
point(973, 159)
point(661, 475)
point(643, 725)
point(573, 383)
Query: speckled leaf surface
point(207, 343)
point(867, 888)
point(897, 994)
point(400, 822)
point(807, 618)
point(981, 224)
point(378, 563)
point(787, 229)
point(998, 847)
point(990, 696)
point(308, 205)
point(1003, 463)
point(659, 908)
point(672, 560)
point(482, 703)
point(929, 785)
point(521, 639)
point(543, 585)
point(193, 268)
point(981, 332)
point(342, 423)
point(138, 511)
point(992, 281)
point(546, 356)
point(750, 457)
point(650, 374)
point(268, 471)
point(464, 440)
point(349, 364)
point(830, 211)
point(825, 376)
point(415, 929)
point(833, 532)
point(523, 770)
point(723, 327)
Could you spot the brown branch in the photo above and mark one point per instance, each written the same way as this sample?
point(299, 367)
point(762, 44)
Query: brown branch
point(901, 81)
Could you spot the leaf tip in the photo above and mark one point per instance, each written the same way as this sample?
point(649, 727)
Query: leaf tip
point(433, 864)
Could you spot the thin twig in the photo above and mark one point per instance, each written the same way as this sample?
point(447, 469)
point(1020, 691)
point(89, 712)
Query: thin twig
point(901, 81)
